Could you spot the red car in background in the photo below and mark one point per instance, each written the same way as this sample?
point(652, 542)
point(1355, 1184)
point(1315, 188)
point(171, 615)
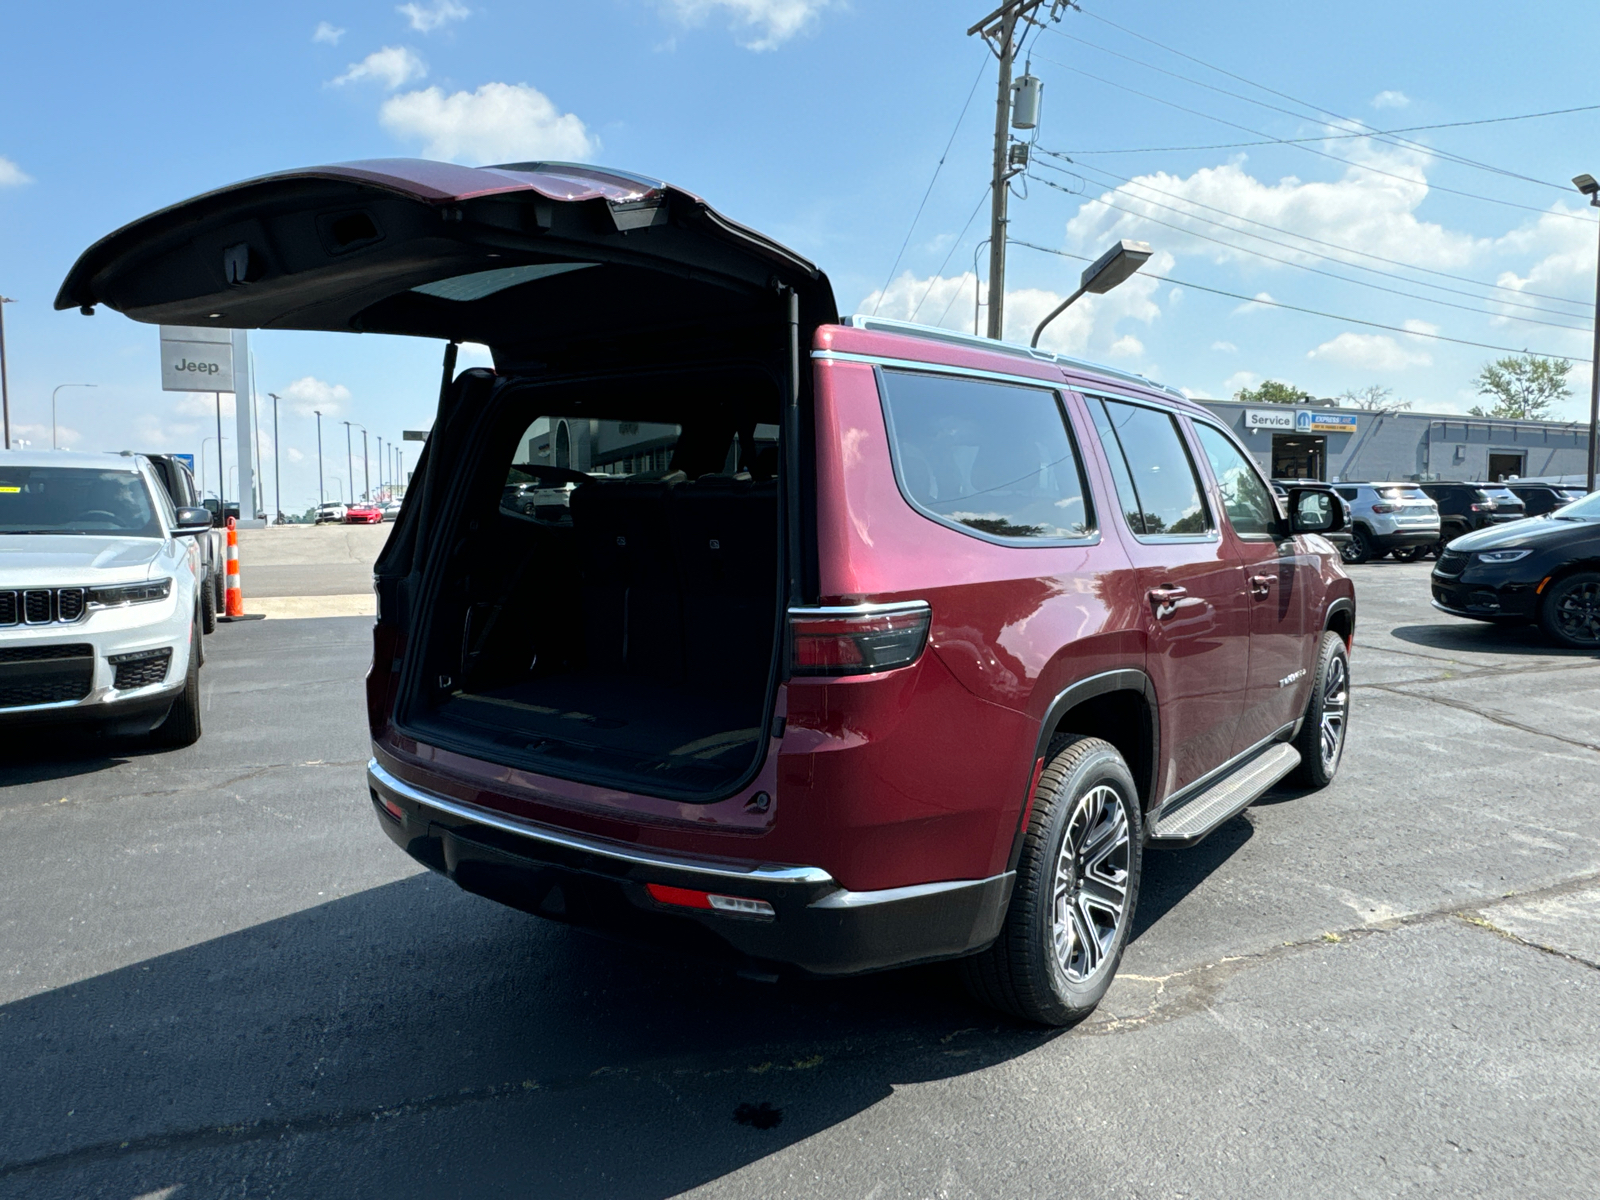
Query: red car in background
point(363, 514)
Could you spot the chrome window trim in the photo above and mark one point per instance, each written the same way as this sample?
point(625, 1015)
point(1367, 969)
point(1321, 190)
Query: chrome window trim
point(907, 364)
point(545, 835)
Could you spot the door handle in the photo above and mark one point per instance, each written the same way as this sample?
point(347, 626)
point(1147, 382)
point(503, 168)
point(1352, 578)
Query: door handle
point(1261, 585)
point(1166, 598)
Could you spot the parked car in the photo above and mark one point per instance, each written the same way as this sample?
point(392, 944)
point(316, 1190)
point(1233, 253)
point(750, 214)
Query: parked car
point(1464, 507)
point(391, 509)
point(920, 679)
point(1544, 569)
point(362, 513)
point(100, 595)
point(1280, 488)
point(174, 475)
point(331, 514)
point(1388, 517)
point(1540, 498)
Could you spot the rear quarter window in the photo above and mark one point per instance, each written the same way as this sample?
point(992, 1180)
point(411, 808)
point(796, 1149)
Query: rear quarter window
point(991, 459)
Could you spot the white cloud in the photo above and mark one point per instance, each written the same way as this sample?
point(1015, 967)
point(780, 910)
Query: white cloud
point(425, 18)
point(1262, 300)
point(308, 394)
point(393, 66)
point(294, 455)
point(1225, 347)
point(1391, 99)
point(1419, 329)
point(204, 404)
point(38, 436)
point(1126, 346)
point(12, 175)
point(1564, 265)
point(1175, 296)
point(1239, 379)
point(327, 33)
point(1370, 351)
point(760, 24)
point(1373, 212)
point(500, 122)
point(474, 354)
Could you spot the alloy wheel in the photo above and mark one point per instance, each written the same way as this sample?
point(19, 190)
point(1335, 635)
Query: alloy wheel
point(1578, 613)
point(1335, 704)
point(1091, 883)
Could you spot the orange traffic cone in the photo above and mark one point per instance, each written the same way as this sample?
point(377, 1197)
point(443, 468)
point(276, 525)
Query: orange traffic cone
point(235, 606)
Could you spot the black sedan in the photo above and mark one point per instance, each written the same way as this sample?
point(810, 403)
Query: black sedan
point(1543, 569)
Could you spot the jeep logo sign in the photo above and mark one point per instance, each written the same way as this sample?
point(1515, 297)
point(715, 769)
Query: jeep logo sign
point(196, 360)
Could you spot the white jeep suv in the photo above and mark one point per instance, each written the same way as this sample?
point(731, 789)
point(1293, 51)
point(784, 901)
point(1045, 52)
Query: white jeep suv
point(99, 596)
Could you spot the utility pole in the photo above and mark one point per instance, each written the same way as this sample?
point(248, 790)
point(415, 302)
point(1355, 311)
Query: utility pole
point(277, 474)
point(320, 500)
point(999, 29)
point(349, 461)
point(5, 389)
point(366, 477)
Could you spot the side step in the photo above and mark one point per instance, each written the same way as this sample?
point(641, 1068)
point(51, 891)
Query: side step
point(1193, 818)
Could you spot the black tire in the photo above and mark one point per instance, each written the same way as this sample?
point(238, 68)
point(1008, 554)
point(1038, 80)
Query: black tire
point(1359, 548)
point(182, 725)
point(208, 607)
point(1327, 719)
point(1570, 611)
point(219, 587)
point(1411, 554)
point(1086, 793)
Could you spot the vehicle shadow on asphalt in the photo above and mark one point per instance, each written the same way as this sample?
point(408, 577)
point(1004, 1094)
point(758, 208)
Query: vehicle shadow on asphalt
point(412, 1039)
point(1483, 638)
point(1169, 876)
point(36, 755)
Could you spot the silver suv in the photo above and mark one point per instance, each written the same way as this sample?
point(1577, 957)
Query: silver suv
point(1385, 517)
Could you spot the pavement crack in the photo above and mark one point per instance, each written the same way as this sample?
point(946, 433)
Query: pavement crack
point(1473, 919)
point(1496, 718)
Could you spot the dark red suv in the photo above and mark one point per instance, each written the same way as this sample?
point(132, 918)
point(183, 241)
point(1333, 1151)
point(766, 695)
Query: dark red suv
point(716, 620)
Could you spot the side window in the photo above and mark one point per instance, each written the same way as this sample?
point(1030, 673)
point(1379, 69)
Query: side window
point(163, 501)
point(991, 458)
point(1250, 506)
point(1162, 496)
point(1347, 493)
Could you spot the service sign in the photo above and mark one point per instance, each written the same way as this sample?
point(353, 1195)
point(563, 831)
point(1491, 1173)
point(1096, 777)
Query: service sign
point(196, 359)
point(1269, 418)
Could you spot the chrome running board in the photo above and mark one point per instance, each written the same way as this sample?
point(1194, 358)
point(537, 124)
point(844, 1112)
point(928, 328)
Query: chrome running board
point(1191, 819)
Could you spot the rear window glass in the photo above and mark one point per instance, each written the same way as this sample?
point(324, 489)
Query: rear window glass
point(1155, 478)
point(1402, 493)
point(993, 458)
point(1347, 493)
point(1500, 493)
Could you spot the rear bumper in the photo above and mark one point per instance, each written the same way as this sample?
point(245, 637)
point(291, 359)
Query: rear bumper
point(1401, 539)
point(817, 926)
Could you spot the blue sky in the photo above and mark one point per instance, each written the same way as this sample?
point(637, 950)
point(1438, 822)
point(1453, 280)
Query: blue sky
point(820, 122)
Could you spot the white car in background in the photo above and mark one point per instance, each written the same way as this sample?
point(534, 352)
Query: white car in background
point(331, 514)
point(100, 582)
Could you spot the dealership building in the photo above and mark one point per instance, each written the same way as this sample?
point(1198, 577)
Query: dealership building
point(1317, 440)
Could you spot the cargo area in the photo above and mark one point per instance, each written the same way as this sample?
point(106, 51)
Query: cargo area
point(610, 609)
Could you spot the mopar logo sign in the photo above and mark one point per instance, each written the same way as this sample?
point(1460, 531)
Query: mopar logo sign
point(1302, 422)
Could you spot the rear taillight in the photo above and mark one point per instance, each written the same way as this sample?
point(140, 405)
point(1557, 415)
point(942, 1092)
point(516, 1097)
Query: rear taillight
point(858, 640)
point(1486, 506)
point(1385, 508)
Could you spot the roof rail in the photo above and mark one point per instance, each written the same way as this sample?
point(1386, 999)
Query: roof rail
point(955, 337)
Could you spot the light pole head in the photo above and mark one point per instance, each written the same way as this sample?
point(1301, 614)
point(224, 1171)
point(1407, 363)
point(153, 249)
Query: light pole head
point(1114, 266)
point(1589, 187)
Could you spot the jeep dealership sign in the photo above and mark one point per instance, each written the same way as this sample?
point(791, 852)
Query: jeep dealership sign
point(196, 359)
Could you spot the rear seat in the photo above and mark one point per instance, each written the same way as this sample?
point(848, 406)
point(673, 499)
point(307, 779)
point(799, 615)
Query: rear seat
point(633, 612)
point(679, 578)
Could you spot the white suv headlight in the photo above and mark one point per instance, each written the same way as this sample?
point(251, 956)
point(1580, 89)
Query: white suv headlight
point(1502, 556)
point(130, 593)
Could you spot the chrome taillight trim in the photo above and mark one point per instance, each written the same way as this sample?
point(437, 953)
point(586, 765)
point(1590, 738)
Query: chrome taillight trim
point(860, 610)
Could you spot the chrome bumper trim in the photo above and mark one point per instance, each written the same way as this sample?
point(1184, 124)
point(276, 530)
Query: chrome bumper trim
point(762, 873)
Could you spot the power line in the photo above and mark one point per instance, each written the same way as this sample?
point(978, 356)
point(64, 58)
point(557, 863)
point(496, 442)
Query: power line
point(939, 274)
point(1081, 168)
point(1314, 270)
point(1336, 137)
point(1223, 71)
point(1367, 130)
point(1200, 287)
point(1310, 150)
point(939, 167)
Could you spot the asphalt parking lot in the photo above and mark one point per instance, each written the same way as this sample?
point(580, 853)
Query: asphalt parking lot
point(221, 979)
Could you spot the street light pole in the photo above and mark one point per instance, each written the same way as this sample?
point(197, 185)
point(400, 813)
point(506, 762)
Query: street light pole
point(366, 475)
point(5, 388)
point(277, 475)
point(1587, 185)
point(320, 500)
point(1100, 276)
point(59, 386)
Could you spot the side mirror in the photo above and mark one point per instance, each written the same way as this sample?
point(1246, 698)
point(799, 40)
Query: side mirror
point(193, 520)
point(1312, 510)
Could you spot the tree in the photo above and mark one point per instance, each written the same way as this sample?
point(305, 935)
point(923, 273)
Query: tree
point(1373, 396)
point(1524, 386)
point(1272, 392)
